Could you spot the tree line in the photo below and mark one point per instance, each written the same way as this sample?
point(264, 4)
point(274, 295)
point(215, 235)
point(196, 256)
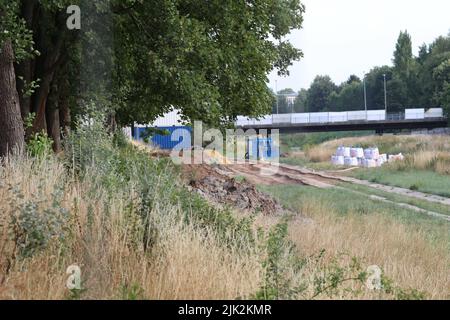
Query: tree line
point(421, 81)
point(135, 60)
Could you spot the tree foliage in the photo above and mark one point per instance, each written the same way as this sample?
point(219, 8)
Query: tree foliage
point(210, 59)
point(136, 60)
point(319, 94)
point(412, 82)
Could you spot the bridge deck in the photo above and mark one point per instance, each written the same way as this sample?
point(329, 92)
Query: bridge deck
point(379, 126)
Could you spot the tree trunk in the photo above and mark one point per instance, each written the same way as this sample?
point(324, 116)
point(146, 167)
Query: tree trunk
point(25, 69)
point(111, 124)
point(49, 63)
point(52, 118)
point(11, 125)
point(63, 104)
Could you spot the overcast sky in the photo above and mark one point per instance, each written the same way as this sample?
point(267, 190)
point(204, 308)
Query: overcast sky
point(344, 37)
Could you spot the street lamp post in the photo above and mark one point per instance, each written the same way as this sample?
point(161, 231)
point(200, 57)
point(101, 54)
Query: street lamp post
point(276, 89)
point(385, 94)
point(365, 94)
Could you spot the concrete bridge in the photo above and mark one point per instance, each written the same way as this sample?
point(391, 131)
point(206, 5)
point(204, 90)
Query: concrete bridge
point(377, 120)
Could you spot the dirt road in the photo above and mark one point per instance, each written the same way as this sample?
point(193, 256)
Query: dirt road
point(227, 191)
point(268, 174)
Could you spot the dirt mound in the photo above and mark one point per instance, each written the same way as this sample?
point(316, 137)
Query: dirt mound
point(219, 188)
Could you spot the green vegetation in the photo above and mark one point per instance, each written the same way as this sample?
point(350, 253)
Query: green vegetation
point(101, 200)
point(423, 204)
point(426, 166)
point(421, 80)
point(304, 140)
point(343, 202)
point(136, 60)
point(304, 162)
point(128, 220)
point(104, 193)
point(347, 222)
point(417, 180)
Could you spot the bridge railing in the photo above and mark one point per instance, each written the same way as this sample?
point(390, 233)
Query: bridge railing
point(341, 117)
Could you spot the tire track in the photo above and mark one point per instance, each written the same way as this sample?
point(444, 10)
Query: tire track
point(269, 174)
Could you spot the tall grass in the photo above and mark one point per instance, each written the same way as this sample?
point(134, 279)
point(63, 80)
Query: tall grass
point(121, 217)
point(137, 233)
point(422, 152)
point(405, 255)
point(413, 251)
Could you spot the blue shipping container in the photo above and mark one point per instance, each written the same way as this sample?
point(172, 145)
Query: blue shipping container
point(162, 141)
point(263, 148)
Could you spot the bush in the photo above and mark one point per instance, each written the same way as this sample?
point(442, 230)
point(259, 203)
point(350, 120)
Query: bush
point(34, 224)
point(39, 145)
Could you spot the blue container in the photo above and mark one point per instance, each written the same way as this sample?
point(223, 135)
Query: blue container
point(263, 148)
point(162, 141)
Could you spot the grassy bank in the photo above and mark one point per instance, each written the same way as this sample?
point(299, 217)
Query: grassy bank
point(420, 180)
point(423, 204)
point(412, 248)
point(122, 217)
point(137, 232)
point(305, 140)
point(426, 167)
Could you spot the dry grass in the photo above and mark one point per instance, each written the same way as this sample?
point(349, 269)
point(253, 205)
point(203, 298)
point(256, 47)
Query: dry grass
point(422, 152)
point(405, 255)
point(184, 263)
point(192, 267)
point(103, 235)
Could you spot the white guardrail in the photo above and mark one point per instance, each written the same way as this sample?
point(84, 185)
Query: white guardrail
point(339, 117)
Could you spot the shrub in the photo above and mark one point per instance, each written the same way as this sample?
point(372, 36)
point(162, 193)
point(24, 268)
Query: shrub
point(39, 145)
point(33, 224)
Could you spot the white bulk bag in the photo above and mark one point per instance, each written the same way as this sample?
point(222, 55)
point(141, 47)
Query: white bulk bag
point(357, 152)
point(369, 163)
point(347, 152)
point(371, 153)
point(348, 161)
point(380, 162)
point(340, 160)
point(340, 152)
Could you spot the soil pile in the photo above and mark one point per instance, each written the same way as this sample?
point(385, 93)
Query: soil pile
point(219, 188)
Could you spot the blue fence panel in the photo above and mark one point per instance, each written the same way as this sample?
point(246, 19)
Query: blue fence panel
point(161, 141)
point(263, 148)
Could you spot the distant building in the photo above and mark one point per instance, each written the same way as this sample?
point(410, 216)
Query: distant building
point(289, 97)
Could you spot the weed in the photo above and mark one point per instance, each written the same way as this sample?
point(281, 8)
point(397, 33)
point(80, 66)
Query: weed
point(40, 145)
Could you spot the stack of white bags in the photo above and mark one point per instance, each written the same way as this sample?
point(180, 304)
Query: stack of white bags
point(359, 157)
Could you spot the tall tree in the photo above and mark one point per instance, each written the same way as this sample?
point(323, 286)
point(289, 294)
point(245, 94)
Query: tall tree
point(441, 75)
point(46, 19)
point(285, 100)
point(138, 59)
point(350, 97)
point(407, 68)
point(300, 101)
point(319, 94)
point(430, 79)
point(11, 125)
point(375, 88)
point(403, 56)
point(209, 59)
